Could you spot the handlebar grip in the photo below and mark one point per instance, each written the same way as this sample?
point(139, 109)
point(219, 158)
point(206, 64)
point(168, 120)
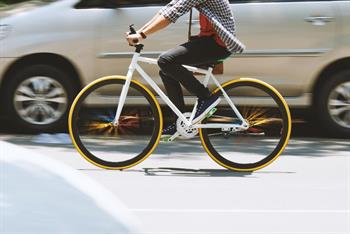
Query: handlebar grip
point(133, 31)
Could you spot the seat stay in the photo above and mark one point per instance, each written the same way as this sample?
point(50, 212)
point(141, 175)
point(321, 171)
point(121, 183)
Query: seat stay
point(230, 102)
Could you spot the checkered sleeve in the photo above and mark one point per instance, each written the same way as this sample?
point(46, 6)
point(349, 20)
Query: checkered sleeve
point(176, 8)
point(169, 5)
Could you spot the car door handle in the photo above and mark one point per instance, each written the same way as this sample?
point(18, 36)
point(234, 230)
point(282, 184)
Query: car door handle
point(194, 21)
point(319, 20)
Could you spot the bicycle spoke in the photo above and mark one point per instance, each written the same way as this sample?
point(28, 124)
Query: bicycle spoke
point(247, 149)
point(115, 145)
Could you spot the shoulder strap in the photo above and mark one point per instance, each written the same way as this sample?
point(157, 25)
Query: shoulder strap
point(190, 25)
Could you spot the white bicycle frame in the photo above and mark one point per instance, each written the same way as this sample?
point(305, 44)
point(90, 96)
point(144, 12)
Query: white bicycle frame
point(208, 75)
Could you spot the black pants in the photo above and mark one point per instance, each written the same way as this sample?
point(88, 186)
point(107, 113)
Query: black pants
point(198, 51)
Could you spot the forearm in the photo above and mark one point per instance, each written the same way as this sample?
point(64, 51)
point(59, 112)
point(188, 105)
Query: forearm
point(149, 22)
point(157, 23)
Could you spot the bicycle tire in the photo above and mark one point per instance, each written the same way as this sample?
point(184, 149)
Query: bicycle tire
point(282, 133)
point(76, 128)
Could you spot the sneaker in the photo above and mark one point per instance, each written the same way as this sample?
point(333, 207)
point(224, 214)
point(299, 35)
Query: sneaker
point(204, 106)
point(170, 130)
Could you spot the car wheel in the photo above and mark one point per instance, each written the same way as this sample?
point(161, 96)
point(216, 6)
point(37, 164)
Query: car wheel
point(333, 104)
point(38, 98)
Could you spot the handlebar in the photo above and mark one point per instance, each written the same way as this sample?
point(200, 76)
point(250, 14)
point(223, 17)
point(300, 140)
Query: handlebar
point(133, 31)
point(139, 47)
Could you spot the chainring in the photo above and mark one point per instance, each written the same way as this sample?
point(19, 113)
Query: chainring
point(187, 132)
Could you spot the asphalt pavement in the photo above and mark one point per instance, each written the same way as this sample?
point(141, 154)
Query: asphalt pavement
point(179, 189)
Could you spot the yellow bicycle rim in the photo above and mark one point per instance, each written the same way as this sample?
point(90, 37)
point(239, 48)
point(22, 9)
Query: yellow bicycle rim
point(70, 120)
point(288, 131)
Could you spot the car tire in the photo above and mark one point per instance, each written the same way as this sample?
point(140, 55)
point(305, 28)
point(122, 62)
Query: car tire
point(38, 98)
point(332, 104)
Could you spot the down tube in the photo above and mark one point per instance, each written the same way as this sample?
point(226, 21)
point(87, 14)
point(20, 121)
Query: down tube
point(162, 94)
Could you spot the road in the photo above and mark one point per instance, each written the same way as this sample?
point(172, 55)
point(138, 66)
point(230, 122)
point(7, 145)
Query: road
point(179, 189)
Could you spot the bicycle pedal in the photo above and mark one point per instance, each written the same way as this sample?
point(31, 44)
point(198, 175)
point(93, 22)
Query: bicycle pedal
point(166, 139)
point(211, 112)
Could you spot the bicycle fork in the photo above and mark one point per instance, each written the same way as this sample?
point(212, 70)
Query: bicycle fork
point(125, 89)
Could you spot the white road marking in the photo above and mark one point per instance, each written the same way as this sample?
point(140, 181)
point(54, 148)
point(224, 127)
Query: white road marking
point(236, 211)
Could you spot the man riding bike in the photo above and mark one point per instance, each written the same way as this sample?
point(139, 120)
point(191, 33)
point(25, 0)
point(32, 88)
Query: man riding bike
point(217, 40)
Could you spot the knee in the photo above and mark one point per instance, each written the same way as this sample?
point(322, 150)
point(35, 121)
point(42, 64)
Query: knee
point(164, 61)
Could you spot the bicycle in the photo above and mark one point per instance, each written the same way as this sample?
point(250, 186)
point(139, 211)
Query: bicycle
point(113, 134)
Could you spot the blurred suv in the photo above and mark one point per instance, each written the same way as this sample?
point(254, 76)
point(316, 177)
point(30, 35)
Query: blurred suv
point(48, 54)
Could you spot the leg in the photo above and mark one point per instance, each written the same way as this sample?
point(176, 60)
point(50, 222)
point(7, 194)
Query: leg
point(202, 50)
point(174, 91)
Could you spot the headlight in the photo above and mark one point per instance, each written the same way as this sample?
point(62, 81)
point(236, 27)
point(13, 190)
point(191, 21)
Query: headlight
point(4, 30)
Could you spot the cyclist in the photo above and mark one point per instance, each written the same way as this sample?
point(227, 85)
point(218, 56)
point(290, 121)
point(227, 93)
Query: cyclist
point(216, 41)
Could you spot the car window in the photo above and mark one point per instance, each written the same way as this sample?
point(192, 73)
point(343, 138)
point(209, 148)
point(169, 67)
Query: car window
point(118, 3)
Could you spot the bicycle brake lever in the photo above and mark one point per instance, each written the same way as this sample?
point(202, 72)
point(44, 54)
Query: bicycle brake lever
point(132, 29)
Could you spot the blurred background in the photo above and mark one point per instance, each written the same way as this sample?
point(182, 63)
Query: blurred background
point(49, 50)
point(11, 4)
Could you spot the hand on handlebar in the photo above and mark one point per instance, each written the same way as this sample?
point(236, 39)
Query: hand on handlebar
point(133, 39)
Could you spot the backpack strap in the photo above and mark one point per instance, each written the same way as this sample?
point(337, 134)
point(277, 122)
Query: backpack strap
point(190, 26)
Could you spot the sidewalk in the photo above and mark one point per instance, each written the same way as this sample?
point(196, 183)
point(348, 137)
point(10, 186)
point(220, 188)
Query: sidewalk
point(34, 188)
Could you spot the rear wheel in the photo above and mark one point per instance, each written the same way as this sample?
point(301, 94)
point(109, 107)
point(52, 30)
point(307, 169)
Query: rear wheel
point(269, 126)
point(106, 145)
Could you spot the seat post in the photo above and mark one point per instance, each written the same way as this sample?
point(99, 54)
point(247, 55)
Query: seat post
point(207, 77)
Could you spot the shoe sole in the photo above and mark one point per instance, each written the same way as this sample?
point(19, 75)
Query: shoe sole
point(204, 114)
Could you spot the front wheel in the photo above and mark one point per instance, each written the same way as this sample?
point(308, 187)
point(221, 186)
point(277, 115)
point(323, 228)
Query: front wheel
point(102, 143)
point(268, 116)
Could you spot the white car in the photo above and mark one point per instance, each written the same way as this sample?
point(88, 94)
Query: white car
point(48, 54)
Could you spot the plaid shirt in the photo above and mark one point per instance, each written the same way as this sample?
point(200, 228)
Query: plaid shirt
point(217, 11)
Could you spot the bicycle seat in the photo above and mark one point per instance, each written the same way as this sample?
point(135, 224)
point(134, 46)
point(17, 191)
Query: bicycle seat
point(212, 64)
